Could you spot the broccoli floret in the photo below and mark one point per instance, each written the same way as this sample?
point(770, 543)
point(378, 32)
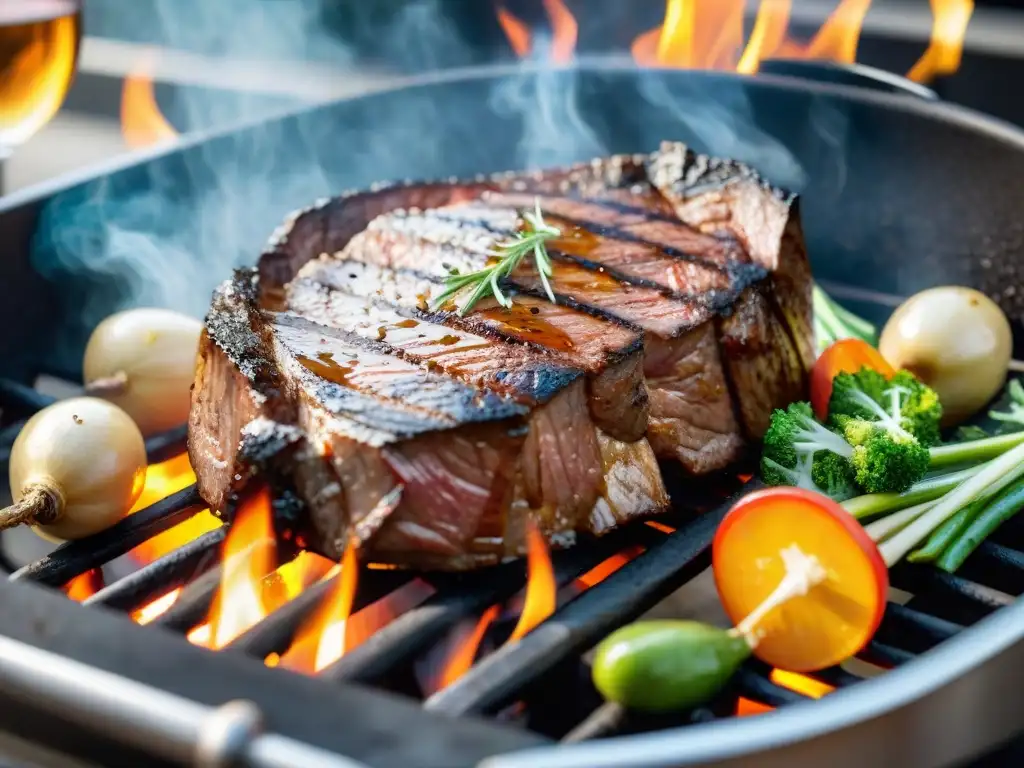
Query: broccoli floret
point(797, 476)
point(901, 405)
point(886, 462)
point(889, 423)
point(920, 409)
point(800, 452)
point(796, 432)
point(834, 476)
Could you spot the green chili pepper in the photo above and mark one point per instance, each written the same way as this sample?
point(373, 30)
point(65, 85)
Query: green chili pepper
point(664, 666)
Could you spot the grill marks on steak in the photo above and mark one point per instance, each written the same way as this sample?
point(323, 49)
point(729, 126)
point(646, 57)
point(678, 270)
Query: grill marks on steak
point(431, 439)
point(531, 335)
point(624, 255)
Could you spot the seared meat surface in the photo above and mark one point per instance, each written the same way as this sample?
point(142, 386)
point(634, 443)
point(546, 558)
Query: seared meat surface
point(682, 318)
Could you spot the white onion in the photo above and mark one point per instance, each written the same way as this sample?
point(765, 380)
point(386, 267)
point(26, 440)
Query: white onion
point(76, 468)
point(957, 341)
point(143, 360)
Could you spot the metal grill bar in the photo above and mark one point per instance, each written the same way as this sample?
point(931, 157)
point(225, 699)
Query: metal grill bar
point(603, 721)
point(902, 621)
point(76, 557)
point(167, 445)
point(459, 598)
point(886, 655)
point(837, 677)
point(163, 575)
point(22, 398)
point(624, 595)
point(925, 579)
point(192, 604)
point(274, 634)
point(752, 683)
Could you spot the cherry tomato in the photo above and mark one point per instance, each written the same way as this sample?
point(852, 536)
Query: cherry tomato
point(844, 356)
point(830, 622)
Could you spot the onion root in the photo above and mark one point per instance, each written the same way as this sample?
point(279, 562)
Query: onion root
point(108, 386)
point(41, 504)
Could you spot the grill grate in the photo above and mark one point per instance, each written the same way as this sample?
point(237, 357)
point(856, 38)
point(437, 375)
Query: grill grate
point(942, 605)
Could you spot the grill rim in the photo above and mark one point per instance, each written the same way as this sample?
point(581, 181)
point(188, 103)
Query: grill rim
point(711, 744)
point(978, 649)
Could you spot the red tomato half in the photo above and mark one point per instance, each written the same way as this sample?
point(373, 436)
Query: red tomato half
point(845, 356)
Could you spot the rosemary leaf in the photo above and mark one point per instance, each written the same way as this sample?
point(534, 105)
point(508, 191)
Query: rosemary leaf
point(509, 253)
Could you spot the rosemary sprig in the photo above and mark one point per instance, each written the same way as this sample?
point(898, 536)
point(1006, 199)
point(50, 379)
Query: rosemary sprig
point(509, 253)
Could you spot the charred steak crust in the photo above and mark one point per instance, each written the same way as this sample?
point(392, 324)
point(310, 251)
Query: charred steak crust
point(432, 440)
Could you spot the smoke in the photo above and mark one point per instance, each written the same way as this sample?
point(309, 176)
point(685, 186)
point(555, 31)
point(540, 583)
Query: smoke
point(727, 126)
point(166, 232)
point(547, 101)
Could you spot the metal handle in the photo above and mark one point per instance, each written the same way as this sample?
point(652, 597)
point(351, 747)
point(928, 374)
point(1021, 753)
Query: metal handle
point(160, 723)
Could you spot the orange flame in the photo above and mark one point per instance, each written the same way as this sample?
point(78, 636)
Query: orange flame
point(807, 686)
point(250, 552)
point(949, 27)
point(541, 589)
point(516, 31)
point(142, 122)
point(162, 480)
point(564, 32)
point(275, 589)
point(84, 585)
point(709, 34)
point(362, 624)
point(767, 35)
point(462, 655)
point(321, 639)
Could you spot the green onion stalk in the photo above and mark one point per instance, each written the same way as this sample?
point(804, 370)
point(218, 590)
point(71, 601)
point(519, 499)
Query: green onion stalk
point(832, 322)
point(942, 519)
point(990, 479)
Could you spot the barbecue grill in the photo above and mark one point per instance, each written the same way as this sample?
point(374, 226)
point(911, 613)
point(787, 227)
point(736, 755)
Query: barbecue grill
point(900, 192)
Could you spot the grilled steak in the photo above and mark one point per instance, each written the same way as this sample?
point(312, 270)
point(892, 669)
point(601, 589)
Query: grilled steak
point(682, 317)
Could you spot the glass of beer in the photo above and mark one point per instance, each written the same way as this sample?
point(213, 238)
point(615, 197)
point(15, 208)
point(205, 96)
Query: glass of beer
point(39, 42)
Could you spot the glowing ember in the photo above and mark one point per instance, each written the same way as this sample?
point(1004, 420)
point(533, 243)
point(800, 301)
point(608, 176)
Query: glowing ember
point(162, 480)
point(805, 685)
point(84, 586)
point(142, 122)
point(606, 568)
point(250, 552)
point(659, 526)
point(161, 605)
point(321, 638)
point(541, 588)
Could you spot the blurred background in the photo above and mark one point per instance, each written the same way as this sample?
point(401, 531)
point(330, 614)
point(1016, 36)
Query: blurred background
point(149, 70)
